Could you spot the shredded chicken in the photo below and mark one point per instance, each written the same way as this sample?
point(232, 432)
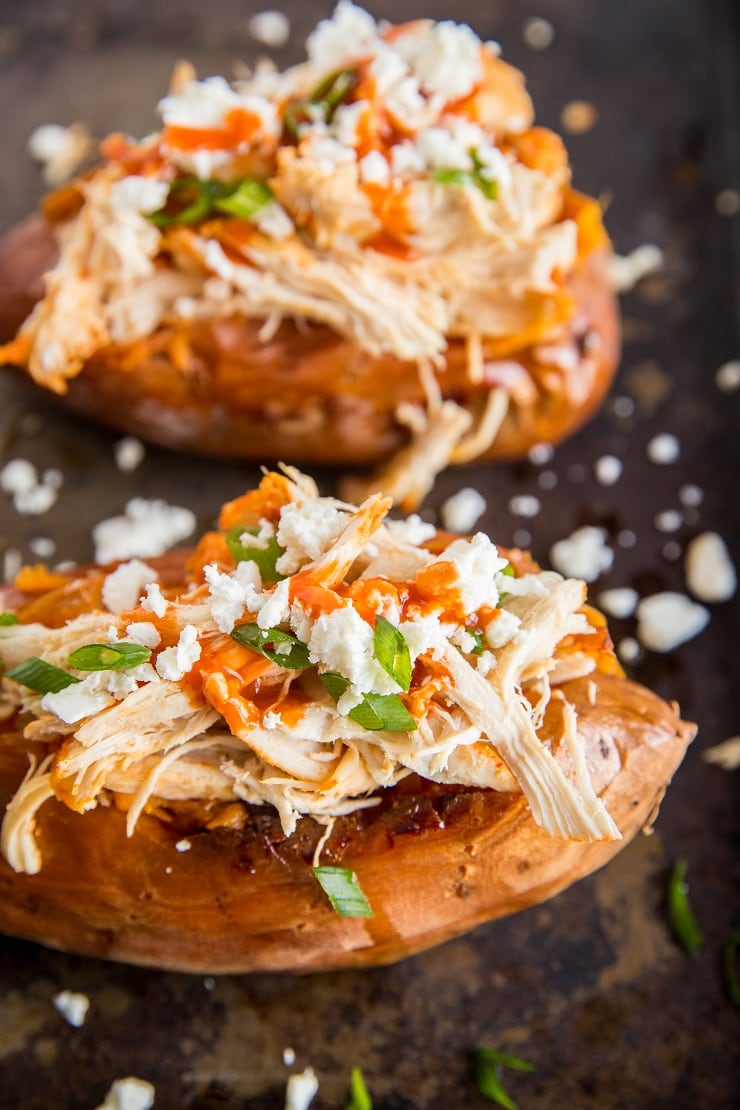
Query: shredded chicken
point(272, 729)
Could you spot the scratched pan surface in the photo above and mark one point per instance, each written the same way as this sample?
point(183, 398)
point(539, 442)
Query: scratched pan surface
point(590, 988)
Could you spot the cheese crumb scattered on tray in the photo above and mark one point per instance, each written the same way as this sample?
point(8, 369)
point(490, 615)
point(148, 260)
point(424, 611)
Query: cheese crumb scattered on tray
point(583, 554)
point(301, 1089)
point(667, 620)
point(129, 1094)
point(726, 754)
point(73, 1007)
point(461, 512)
point(664, 449)
point(710, 571)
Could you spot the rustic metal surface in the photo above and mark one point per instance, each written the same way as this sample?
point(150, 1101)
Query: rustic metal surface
point(590, 988)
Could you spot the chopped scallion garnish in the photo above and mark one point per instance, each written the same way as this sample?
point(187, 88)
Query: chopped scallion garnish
point(359, 1094)
point(109, 657)
point(293, 654)
point(446, 175)
point(6, 619)
point(40, 676)
point(685, 926)
point(479, 638)
point(489, 1065)
point(323, 101)
point(375, 711)
point(191, 200)
point(265, 557)
point(343, 891)
point(392, 652)
point(729, 968)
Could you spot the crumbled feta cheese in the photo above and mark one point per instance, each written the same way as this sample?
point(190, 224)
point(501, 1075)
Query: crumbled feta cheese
point(727, 202)
point(129, 453)
point(73, 1007)
point(669, 520)
point(36, 501)
point(43, 547)
point(501, 630)
point(541, 453)
point(350, 33)
point(346, 121)
point(525, 504)
point(444, 56)
point(275, 606)
point(59, 150)
point(12, 563)
point(139, 194)
point(183, 845)
point(80, 700)
point(374, 168)
point(691, 496)
point(547, 479)
point(462, 511)
point(440, 150)
point(626, 538)
point(271, 28)
point(710, 572)
point(626, 271)
point(301, 1090)
point(406, 159)
point(608, 470)
point(306, 531)
point(583, 554)
point(619, 602)
point(628, 650)
point(148, 528)
point(727, 378)
point(174, 662)
point(154, 601)
point(666, 620)
point(663, 449)
point(342, 641)
point(623, 407)
point(426, 634)
point(231, 594)
point(412, 530)
point(144, 633)
point(476, 561)
point(537, 33)
point(18, 476)
point(123, 587)
point(726, 754)
point(288, 1057)
point(199, 104)
point(330, 152)
point(129, 1094)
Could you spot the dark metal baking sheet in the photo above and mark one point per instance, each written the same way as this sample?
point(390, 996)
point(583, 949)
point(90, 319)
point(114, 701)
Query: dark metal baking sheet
point(591, 987)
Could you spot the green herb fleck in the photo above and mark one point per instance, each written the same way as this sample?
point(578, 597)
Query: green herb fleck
point(266, 641)
point(6, 619)
point(192, 199)
point(489, 1065)
point(247, 199)
point(479, 638)
point(729, 969)
point(108, 657)
point(41, 676)
point(323, 101)
point(265, 557)
point(375, 711)
point(684, 924)
point(359, 1094)
point(392, 652)
point(343, 891)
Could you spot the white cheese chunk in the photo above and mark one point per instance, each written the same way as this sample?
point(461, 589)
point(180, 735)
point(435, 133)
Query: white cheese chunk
point(619, 602)
point(73, 1007)
point(174, 662)
point(710, 572)
point(129, 1094)
point(301, 1089)
point(666, 620)
point(144, 633)
point(80, 700)
point(231, 594)
point(306, 532)
point(583, 554)
point(271, 28)
point(124, 586)
point(146, 529)
point(461, 512)
point(154, 600)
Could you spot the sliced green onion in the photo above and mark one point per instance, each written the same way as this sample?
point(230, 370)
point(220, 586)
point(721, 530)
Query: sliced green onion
point(392, 652)
point(108, 657)
point(6, 619)
point(323, 101)
point(489, 1065)
point(341, 887)
point(359, 1094)
point(243, 197)
point(479, 638)
point(508, 570)
point(446, 176)
point(264, 557)
point(40, 676)
point(685, 926)
point(729, 969)
point(249, 198)
point(265, 641)
point(375, 711)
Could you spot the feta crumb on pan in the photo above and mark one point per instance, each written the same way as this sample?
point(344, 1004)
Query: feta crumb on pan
point(129, 453)
point(619, 602)
point(727, 378)
point(608, 470)
point(129, 1094)
point(710, 571)
point(301, 1090)
point(73, 1006)
point(667, 620)
point(628, 270)
point(583, 554)
point(726, 754)
point(664, 449)
point(147, 528)
point(271, 28)
point(461, 512)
